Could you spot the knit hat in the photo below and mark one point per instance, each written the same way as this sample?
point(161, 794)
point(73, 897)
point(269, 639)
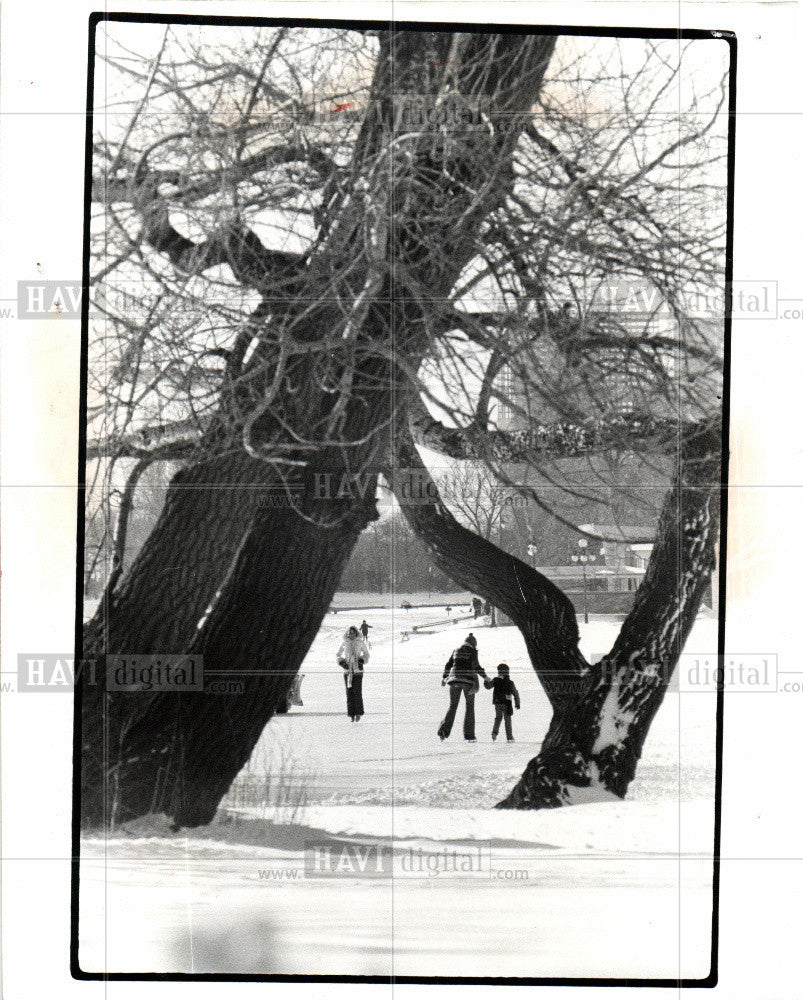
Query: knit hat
point(503, 668)
point(471, 640)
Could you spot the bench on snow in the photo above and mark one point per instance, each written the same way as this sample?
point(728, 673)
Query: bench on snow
point(425, 627)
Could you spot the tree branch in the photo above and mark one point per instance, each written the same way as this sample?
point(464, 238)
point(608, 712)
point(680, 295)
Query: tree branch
point(235, 244)
point(121, 534)
point(174, 440)
point(565, 439)
point(109, 190)
point(543, 613)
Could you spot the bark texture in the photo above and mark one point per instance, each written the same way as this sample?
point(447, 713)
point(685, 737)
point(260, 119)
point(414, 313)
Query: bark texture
point(246, 586)
point(595, 745)
point(179, 753)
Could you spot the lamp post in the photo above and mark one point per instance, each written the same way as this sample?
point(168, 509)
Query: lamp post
point(583, 558)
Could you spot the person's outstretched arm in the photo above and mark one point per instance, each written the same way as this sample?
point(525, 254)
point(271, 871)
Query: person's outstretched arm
point(516, 696)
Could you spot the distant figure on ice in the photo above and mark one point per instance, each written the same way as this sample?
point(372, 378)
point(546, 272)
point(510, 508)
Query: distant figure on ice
point(462, 674)
point(352, 656)
point(406, 605)
point(476, 604)
point(504, 696)
point(364, 629)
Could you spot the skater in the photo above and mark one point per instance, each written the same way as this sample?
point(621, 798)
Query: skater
point(462, 675)
point(505, 695)
point(364, 629)
point(476, 604)
point(352, 656)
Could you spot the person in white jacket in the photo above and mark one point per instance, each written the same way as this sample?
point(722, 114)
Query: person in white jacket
point(352, 656)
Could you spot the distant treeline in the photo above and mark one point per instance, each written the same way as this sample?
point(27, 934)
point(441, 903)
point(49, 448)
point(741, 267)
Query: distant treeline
point(388, 557)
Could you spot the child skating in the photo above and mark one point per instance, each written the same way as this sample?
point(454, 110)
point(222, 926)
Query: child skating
point(504, 697)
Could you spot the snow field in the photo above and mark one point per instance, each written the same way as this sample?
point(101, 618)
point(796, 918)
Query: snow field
point(605, 889)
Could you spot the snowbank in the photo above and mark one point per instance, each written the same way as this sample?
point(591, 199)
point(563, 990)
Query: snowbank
point(603, 889)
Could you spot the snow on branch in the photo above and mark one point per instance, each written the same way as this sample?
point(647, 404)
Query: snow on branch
point(177, 439)
point(562, 439)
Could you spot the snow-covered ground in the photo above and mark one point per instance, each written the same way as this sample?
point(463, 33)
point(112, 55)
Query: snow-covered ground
point(606, 889)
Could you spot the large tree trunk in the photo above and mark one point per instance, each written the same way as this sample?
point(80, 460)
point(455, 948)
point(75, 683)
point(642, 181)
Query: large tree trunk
point(253, 588)
point(178, 753)
point(161, 600)
point(592, 747)
point(602, 713)
point(267, 576)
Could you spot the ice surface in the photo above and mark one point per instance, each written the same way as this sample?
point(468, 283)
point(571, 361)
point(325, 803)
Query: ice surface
point(599, 889)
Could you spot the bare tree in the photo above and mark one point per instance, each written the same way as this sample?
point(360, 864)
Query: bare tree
point(321, 249)
point(476, 497)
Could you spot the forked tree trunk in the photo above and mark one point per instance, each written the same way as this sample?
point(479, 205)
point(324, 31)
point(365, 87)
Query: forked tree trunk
point(269, 575)
point(602, 713)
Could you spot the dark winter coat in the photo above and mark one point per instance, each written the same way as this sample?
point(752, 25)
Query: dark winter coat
point(503, 688)
point(463, 667)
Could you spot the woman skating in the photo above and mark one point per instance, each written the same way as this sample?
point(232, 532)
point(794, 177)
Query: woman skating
point(352, 656)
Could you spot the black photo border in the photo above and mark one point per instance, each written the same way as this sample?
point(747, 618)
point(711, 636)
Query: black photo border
point(95, 19)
